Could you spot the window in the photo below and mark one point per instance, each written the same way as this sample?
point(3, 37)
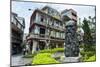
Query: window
point(48, 32)
point(36, 18)
point(13, 20)
point(57, 34)
point(22, 28)
point(19, 26)
point(50, 22)
point(42, 30)
point(63, 35)
point(42, 19)
point(47, 21)
point(56, 24)
point(74, 14)
point(51, 33)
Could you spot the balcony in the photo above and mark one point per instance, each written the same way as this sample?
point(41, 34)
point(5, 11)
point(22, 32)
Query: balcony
point(43, 37)
point(15, 28)
point(75, 18)
point(37, 36)
point(50, 26)
point(66, 16)
point(59, 28)
point(16, 37)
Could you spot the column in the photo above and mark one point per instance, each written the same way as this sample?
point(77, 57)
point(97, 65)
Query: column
point(34, 46)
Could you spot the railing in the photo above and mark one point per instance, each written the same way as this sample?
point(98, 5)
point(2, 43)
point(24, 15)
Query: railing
point(75, 18)
point(50, 26)
point(42, 36)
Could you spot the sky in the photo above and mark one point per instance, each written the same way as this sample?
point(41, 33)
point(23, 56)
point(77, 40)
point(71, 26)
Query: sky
point(21, 8)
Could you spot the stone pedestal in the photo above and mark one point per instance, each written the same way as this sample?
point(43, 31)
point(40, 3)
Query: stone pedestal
point(70, 59)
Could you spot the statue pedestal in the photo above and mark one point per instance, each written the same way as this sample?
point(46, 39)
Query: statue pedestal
point(70, 59)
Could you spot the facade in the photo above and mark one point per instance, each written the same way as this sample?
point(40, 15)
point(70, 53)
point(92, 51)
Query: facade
point(47, 29)
point(17, 31)
point(69, 15)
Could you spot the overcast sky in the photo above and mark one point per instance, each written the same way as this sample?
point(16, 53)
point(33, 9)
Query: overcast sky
point(21, 8)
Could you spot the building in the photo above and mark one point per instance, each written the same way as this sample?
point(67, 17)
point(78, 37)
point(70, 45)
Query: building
point(47, 29)
point(17, 31)
point(69, 15)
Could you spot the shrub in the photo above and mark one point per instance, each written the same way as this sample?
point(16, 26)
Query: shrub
point(82, 53)
point(92, 58)
point(86, 56)
point(81, 46)
point(89, 53)
point(44, 58)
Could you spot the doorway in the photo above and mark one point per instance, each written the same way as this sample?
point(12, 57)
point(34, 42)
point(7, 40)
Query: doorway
point(42, 45)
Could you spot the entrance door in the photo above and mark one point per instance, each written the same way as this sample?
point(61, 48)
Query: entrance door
point(41, 45)
point(31, 45)
point(16, 48)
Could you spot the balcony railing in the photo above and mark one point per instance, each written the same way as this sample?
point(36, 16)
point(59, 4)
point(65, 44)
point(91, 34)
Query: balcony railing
point(75, 18)
point(50, 26)
point(43, 37)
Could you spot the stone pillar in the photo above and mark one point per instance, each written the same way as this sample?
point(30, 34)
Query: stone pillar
point(56, 45)
point(71, 41)
point(34, 46)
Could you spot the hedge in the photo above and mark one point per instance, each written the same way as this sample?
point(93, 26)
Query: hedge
point(52, 50)
point(44, 58)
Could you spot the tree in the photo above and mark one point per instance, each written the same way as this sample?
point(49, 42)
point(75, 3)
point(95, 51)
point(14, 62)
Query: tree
point(87, 38)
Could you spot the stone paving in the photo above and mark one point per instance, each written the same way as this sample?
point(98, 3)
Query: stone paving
point(18, 60)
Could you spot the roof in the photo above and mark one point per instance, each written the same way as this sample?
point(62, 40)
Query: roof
point(50, 8)
point(20, 20)
point(69, 10)
point(37, 10)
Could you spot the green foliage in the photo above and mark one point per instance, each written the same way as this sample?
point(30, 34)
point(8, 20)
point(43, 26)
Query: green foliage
point(44, 58)
point(81, 46)
point(92, 58)
point(86, 56)
point(52, 50)
point(87, 38)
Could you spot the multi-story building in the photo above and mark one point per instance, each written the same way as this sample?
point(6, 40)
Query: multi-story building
point(47, 30)
point(17, 30)
point(69, 15)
